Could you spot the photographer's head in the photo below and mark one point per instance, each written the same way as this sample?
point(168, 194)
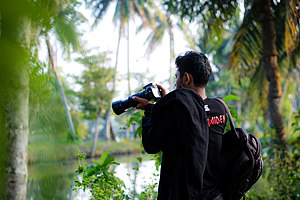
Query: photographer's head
point(193, 70)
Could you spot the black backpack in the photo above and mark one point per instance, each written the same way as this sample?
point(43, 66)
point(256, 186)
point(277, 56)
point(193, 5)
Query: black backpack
point(241, 160)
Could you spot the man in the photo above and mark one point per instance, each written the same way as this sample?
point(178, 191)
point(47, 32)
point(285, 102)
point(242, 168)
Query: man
point(177, 126)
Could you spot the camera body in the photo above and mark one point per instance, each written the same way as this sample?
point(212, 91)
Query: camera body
point(150, 92)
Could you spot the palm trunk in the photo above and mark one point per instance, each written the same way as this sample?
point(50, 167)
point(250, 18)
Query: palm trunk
point(128, 72)
point(95, 137)
point(108, 114)
point(271, 69)
point(172, 54)
point(128, 60)
point(60, 88)
point(14, 102)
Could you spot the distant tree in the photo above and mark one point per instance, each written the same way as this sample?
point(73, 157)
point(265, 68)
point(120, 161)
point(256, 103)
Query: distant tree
point(123, 13)
point(95, 92)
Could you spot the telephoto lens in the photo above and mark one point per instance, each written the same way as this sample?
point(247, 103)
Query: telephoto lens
point(121, 106)
point(150, 92)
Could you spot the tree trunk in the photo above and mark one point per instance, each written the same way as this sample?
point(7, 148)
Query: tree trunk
point(15, 30)
point(112, 134)
point(172, 54)
point(127, 133)
point(107, 125)
point(272, 72)
point(60, 88)
point(128, 60)
point(108, 114)
point(96, 134)
point(128, 72)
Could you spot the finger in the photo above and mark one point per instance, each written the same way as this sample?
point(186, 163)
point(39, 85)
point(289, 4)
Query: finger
point(137, 98)
point(140, 106)
point(163, 90)
point(141, 100)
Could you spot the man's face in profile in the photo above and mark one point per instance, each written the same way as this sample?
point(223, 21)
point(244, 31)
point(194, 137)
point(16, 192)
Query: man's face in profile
point(178, 83)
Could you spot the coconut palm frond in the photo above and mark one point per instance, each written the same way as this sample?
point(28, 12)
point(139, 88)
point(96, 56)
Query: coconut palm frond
point(292, 26)
point(150, 18)
point(160, 15)
point(183, 27)
point(99, 9)
point(66, 30)
point(120, 16)
point(155, 38)
point(245, 53)
point(193, 9)
point(257, 91)
point(295, 60)
point(288, 37)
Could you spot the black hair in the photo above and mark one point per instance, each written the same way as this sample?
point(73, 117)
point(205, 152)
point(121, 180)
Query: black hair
point(197, 65)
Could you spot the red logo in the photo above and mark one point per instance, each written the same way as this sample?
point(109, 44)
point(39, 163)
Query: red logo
point(216, 120)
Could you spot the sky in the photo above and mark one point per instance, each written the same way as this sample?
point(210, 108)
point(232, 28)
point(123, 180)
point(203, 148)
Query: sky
point(104, 37)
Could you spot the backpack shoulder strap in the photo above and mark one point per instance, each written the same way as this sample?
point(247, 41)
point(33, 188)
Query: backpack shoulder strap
point(228, 113)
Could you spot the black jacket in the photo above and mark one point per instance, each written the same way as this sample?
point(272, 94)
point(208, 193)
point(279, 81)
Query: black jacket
point(216, 119)
point(177, 126)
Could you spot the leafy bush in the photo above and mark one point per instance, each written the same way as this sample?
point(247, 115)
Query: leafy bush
point(281, 175)
point(104, 185)
point(101, 182)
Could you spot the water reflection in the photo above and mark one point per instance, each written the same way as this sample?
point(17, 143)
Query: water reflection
point(50, 181)
point(136, 180)
point(53, 181)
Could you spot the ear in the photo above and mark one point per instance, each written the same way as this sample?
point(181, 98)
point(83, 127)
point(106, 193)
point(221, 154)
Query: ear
point(187, 78)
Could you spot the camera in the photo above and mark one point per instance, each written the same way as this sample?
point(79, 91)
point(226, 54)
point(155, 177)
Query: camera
point(150, 92)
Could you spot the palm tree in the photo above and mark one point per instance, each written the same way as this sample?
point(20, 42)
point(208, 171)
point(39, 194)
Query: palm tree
point(161, 24)
point(53, 68)
point(276, 37)
point(256, 45)
point(165, 22)
point(125, 10)
point(63, 26)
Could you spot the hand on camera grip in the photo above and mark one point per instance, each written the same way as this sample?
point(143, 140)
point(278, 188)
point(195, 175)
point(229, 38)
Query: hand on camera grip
point(142, 102)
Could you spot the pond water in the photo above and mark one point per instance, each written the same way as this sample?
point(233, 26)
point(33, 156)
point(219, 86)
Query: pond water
point(54, 180)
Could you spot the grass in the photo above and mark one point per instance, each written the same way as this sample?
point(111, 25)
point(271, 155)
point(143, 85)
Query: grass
point(47, 150)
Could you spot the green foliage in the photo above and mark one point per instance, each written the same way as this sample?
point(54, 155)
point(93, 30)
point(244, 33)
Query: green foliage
point(149, 191)
point(81, 128)
point(136, 118)
point(102, 182)
point(48, 130)
point(296, 122)
point(281, 173)
point(281, 176)
point(194, 9)
point(46, 111)
point(61, 19)
point(124, 11)
point(94, 94)
point(39, 89)
point(224, 85)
